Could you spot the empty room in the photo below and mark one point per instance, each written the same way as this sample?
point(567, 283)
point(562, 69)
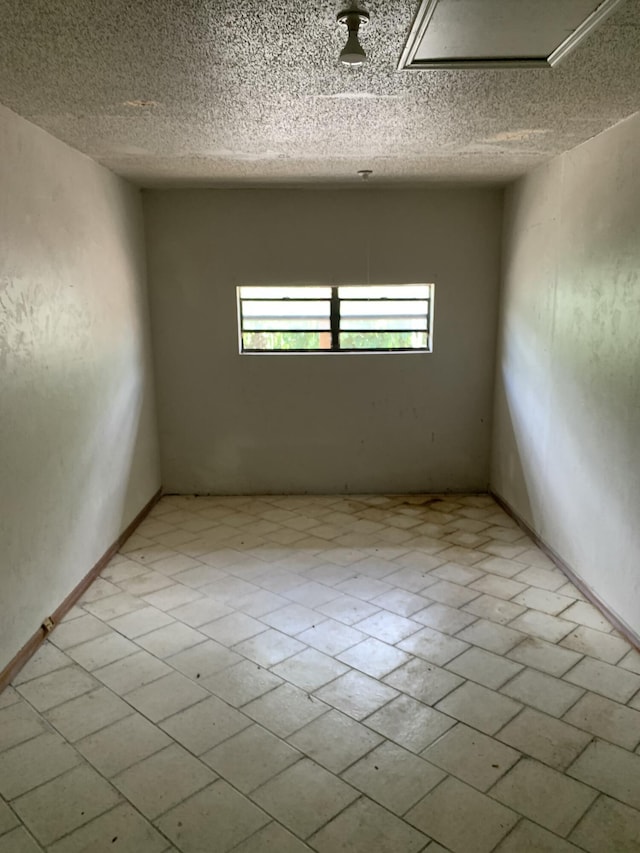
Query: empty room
point(320, 426)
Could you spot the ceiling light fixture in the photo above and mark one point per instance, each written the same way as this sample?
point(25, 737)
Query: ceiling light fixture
point(352, 53)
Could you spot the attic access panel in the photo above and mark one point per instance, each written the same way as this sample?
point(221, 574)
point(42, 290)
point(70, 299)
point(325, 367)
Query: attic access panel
point(499, 33)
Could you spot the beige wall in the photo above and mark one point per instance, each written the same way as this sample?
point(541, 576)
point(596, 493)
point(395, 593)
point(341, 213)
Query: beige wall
point(566, 451)
point(78, 447)
point(334, 423)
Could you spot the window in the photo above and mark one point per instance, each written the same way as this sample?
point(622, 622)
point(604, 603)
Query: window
point(344, 318)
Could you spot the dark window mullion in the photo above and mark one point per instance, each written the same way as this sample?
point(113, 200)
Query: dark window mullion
point(335, 320)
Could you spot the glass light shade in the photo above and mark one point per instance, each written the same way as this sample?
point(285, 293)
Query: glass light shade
point(352, 53)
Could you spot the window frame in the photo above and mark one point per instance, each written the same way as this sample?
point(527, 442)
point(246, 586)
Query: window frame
point(335, 320)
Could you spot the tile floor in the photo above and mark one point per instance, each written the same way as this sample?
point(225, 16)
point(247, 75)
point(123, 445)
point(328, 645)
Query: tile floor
point(362, 674)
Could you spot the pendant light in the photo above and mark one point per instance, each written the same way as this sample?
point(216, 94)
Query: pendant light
point(352, 53)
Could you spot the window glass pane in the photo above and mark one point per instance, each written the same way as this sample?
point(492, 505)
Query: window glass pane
point(285, 309)
point(383, 309)
point(285, 292)
point(383, 340)
point(295, 323)
point(384, 323)
point(286, 341)
point(385, 291)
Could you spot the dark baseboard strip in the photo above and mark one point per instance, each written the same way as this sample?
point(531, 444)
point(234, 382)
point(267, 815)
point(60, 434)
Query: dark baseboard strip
point(15, 665)
point(618, 623)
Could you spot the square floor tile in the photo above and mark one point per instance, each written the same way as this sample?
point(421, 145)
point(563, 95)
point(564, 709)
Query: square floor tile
point(433, 646)
point(234, 817)
point(596, 644)
point(610, 769)
point(304, 797)
point(599, 677)
point(461, 818)
point(549, 740)
point(331, 637)
point(34, 762)
point(400, 601)
point(356, 694)
point(534, 839)
point(171, 639)
point(501, 566)
point(102, 651)
point(544, 692)
point(233, 629)
point(393, 777)
point(462, 575)
point(131, 672)
point(388, 627)
point(166, 696)
point(310, 669)
point(364, 827)
point(293, 618)
point(484, 667)
point(19, 841)
point(544, 795)
point(363, 587)
point(172, 596)
point(471, 756)
point(250, 758)
point(347, 609)
point(608, 827)
point(65, 803)
point(542, 578)
point(443, 618)
point(203, 660)
point(374, 657)
point(423, 681)
point(606, 719)
point(479, 707)
point(492, 637)
point(452, 594)
point(241, 683)
point(335, 741)
point(409, 723)
point(47, 659)
point(140, 622)
point(269, 648)
point(18, 723)
point(586, 614)
point(121, 829)
point(285, 709)
point(8, 820)
point(544, 656)
point(272, 838)
point(205, 725)
point(198, 612)
point(57, 687)
point(499, 587)
point(115, 605)
point(145, 584)
point(68, 634)
point(122, 744)
point(260, 603)
point(543, 599)
point(87, 714)
point(543, 626)
point(495, 609)
point(164, 779)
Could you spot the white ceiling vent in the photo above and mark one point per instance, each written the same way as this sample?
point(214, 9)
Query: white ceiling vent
point(499, 33)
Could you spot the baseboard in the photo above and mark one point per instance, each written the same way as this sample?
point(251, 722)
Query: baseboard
point(15, 665)
point(577, 581)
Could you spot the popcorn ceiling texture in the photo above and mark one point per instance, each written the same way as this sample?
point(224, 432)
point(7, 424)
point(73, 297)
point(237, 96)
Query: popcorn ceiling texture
point(252, 93)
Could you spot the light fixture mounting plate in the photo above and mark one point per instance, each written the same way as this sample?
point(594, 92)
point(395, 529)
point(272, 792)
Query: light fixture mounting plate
point(349, 16)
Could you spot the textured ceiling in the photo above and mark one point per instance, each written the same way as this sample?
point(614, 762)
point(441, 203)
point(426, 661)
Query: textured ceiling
point(252, 93)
